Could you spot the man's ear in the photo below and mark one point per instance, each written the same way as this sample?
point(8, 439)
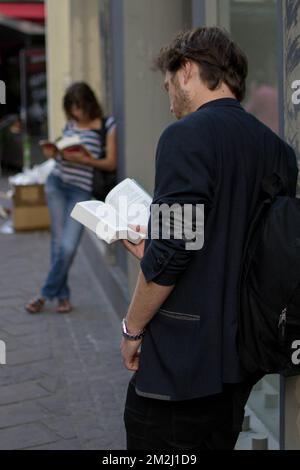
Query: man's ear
point(187, 71)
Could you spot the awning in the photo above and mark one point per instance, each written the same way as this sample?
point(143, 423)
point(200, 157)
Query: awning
point(25, 11)
point(23, 26)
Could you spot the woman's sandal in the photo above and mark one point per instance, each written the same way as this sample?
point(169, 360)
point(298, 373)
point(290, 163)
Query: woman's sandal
point(36, 305)
point(64, 306)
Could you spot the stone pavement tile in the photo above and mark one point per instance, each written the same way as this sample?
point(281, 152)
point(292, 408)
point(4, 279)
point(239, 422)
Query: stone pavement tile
point(51, 384)
point(35, 341)
point(28, 356)
point(32, 342)
point(20, 373)
point(115, 443)
point(26, 390)
point(48, 367)
point(89, 433)
point(29, 328)
point(62, 426)
point(66, 444)
point(21, 413)
point(11, 342)
point(20, 437)
point(55, 404)
point(11, 302)
point(17, 315)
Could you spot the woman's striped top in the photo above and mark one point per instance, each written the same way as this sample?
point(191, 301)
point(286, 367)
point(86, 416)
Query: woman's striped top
point(75, 173)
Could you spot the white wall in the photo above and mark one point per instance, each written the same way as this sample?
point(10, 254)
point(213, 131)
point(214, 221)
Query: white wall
point(73, 52)
point(148, 25)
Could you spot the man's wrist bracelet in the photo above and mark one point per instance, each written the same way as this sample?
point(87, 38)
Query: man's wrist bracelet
point(129, 336)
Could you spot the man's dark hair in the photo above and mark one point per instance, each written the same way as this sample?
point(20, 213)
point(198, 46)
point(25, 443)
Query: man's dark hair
point(218, 56)
point(81, 95)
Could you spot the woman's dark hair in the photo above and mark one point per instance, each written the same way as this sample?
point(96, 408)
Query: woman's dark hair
point(81, 95)
point(219, 58)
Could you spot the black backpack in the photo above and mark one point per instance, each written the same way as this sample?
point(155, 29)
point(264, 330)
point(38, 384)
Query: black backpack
point(103, 181)
point(269, 287)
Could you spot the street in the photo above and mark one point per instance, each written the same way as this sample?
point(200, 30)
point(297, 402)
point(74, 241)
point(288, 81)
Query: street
point(64, 384)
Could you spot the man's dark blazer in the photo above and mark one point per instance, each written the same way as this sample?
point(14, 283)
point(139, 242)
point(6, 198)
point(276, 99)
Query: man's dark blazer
point(216, 156)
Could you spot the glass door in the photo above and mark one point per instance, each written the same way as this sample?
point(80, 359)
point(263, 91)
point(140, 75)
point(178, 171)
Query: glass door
point(253, 24)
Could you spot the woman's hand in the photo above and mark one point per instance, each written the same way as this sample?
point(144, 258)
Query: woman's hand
point(75, 157)
point(49, 151)
point(136, 250)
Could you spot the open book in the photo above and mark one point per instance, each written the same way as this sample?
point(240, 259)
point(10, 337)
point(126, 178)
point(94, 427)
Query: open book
point(127, 203)
point(66, 144)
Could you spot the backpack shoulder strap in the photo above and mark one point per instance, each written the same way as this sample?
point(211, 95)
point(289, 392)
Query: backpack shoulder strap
point(103, 130)
point(102, 134)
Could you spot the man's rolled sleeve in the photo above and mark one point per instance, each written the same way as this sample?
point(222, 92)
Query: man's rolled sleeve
point(184, 175)
point(164, 261)
point(156, 264)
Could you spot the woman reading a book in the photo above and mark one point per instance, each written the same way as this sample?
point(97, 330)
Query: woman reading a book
point(70, 182)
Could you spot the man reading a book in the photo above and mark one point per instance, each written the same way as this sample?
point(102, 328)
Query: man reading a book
point(188, 390)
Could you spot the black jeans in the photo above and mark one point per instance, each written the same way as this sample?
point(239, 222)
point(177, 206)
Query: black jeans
point(208, 423)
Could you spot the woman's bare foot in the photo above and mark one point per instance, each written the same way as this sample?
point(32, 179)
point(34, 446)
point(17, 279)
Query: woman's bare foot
point(36, 305)
point(64, 306)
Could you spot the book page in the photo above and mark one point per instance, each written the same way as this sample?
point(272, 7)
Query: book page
point(131, 201)
point(102, 219)
point(111, 226)
point(68, 142)
point(48, 144)
point(78, 148)
point(107, 215)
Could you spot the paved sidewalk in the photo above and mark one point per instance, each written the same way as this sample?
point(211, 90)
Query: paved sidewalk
point(64, 385)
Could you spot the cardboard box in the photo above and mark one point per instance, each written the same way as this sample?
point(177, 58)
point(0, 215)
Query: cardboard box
point(29, 195)
point(30, 211)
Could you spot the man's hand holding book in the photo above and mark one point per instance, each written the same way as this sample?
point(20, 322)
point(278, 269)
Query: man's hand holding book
point(136, 250)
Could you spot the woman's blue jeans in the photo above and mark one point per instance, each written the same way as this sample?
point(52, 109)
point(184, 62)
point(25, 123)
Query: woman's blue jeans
point(65, 234)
